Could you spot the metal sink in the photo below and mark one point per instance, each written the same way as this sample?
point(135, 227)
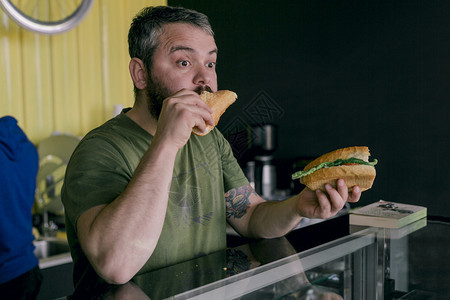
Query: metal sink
point(49, 247)
point(52, 251)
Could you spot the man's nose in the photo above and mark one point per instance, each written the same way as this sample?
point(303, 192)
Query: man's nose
point(202, 76)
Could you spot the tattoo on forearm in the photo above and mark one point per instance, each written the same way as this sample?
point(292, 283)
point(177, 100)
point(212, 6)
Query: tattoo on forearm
point(237, 201)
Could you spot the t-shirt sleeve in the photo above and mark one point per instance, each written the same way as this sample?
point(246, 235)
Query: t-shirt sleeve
point(93, 177)
point(233, 176)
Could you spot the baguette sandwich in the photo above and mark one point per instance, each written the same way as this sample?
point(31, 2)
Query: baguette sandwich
point(351, 164)
point(218, 102)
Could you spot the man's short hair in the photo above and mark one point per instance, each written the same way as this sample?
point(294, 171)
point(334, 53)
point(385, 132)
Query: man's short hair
point(146, 28)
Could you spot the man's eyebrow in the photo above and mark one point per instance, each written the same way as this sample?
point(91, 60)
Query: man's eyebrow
point(188, 49)
point(180, 48)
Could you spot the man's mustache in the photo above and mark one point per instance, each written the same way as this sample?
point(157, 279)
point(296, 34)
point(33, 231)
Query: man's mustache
point(202, 88)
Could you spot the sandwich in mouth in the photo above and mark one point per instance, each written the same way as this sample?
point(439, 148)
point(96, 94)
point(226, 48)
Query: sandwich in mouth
point(218, 102)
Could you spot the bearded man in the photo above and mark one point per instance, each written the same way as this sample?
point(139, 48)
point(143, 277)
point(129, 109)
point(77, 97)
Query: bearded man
point(142, 192)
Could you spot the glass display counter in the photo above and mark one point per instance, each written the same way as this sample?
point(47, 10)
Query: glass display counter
point(365, 263)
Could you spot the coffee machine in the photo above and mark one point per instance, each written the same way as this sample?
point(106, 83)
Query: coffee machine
point(260, 168)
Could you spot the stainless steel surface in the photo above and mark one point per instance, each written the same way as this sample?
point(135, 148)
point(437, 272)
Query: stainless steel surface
point(250, 172)
point(265, 138)
point(261, 170)
point(265, 176)
point(52, 252)
point(269, 181)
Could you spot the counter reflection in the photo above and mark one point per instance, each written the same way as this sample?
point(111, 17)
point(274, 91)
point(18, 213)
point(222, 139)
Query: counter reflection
point(199, 272)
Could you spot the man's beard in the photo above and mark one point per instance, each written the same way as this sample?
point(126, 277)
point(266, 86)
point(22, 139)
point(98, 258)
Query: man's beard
point(156, 93)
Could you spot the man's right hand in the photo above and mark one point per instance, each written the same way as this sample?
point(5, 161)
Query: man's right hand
point(180, 113)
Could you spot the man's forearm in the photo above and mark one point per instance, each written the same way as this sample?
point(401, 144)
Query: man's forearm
point(121, 237)
point(274, 219)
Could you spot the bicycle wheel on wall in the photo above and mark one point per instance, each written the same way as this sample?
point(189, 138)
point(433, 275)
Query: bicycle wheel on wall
point(47, 16)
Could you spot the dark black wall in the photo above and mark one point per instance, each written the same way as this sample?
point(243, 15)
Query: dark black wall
point(332, 74)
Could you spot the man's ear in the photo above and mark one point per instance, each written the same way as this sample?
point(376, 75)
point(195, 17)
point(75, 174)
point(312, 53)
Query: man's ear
point(138, 73)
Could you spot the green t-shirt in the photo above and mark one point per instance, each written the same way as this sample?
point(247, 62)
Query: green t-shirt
point(195, 223)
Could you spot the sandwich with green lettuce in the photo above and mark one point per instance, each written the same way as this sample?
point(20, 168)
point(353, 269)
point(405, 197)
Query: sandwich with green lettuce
point(351, 164)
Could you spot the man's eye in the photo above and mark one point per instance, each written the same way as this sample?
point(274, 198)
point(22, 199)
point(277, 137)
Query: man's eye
point(211, 65)
point(184, 63)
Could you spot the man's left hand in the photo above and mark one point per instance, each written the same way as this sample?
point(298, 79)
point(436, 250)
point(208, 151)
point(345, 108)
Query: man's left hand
point(320, 205)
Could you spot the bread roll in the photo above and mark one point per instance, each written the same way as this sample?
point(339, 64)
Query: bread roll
point(360, 175)
point(354, 174)
point(218, 102)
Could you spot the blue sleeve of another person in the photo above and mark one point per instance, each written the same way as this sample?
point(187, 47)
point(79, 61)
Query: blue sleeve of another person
point(19, 162)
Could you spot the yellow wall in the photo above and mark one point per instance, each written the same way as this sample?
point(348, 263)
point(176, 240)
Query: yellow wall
point(68, 82)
